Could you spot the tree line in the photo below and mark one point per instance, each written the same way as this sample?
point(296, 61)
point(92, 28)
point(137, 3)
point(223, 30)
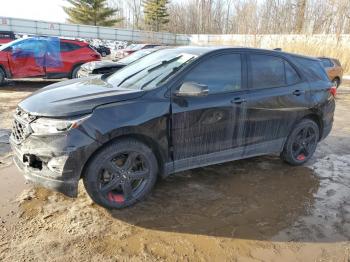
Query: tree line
point(217, 16)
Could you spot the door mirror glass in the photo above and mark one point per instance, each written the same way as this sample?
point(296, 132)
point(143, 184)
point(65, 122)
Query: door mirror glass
point(192, 89)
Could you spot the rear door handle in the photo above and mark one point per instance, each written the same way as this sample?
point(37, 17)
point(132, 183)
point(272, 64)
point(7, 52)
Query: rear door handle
point(298, 92)
point(238, 100)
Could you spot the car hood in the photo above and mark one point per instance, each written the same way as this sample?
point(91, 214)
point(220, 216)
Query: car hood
point(101, 64)
point(75, 97)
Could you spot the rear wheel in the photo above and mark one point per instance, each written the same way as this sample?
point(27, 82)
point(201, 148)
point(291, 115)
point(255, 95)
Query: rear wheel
point(103, 53)
point(75, 70)
point(336, 82)
point(301, 143)
point(2, 77)
point(121, 174)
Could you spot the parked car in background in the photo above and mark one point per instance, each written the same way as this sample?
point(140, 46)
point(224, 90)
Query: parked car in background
point(103, 50)
point(173, 110)
point(334, 70)
point(46, 57)
point(6, 37)
point(110, 67)
point(131, 49)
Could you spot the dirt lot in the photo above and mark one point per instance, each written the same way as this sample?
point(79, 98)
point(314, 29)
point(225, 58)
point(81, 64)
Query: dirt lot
point(257, 209)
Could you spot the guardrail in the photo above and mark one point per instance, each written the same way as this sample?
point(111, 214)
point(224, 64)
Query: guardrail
point(33, 27)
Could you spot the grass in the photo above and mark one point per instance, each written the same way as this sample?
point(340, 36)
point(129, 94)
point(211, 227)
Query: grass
point(311, 45)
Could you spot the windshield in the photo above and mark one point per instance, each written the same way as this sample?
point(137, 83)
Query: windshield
point(137, 55)
point(152, 70)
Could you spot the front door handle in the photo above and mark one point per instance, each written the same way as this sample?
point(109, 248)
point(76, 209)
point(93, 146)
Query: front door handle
point(238, 100)
point(298, 92)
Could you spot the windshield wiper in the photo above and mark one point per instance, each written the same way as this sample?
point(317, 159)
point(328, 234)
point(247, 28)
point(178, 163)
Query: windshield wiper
point(163, 63)
point(175, 69)
point(130, 76)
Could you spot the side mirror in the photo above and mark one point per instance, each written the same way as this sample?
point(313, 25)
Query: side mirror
point(192, 89)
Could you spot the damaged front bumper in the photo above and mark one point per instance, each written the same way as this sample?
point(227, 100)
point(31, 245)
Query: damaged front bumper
point(55, 162)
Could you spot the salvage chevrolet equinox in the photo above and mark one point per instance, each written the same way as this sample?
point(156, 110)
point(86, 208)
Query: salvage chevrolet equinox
point(173, 110)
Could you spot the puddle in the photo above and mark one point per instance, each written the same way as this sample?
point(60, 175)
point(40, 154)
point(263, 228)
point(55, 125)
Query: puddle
point(12, 184)
point(249, 199)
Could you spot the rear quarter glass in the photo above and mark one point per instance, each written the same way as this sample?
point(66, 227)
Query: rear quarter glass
point(337, 62)
point(312, 69)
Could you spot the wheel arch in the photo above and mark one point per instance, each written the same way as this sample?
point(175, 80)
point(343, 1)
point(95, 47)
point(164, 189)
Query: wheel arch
point(4, 70)
point(317, 119)
point(148, 141)
point(74, 67)
point(336, 78)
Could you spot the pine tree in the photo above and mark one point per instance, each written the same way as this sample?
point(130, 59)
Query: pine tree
point(91, 12)
point(156, 13)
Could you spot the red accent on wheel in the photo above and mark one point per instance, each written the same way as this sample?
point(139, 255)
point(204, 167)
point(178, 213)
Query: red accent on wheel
point(111, 197)
point(301, 157)
point(116, 197)
point(119, 198)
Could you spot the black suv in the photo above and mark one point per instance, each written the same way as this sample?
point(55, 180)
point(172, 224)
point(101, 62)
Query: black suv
point(172, 110)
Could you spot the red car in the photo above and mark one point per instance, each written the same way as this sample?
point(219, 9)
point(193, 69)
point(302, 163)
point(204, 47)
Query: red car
point(6, 37)
point(46, 57)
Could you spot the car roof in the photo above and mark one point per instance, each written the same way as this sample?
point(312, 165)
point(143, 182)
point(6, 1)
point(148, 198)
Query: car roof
point(201, 50)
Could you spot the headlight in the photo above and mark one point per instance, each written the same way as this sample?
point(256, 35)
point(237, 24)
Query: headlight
point(46, 126)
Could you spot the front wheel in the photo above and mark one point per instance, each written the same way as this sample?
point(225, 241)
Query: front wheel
point(301, 143)
point(121, 174)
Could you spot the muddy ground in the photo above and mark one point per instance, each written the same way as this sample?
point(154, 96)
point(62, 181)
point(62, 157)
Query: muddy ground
point(257, 209)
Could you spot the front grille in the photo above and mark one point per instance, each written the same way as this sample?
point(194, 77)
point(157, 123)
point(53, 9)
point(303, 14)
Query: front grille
point(20, 125)
point(19, 131)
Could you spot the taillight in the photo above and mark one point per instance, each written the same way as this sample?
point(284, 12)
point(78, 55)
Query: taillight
point(333, 90)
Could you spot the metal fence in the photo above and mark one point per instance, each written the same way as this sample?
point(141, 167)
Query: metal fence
point(33, 27)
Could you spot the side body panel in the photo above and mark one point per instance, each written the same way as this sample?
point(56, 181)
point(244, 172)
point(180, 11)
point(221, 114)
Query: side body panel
point(70, 59)
point(272, 112)
point(145, 118)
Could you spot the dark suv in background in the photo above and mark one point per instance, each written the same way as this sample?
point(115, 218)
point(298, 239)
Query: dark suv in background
point(173, 110)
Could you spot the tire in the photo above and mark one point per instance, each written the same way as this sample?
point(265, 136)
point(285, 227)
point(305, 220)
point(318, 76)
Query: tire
point(103, 54)
point(336, 82)
point(301, 143)
point(112, 183)
point(75, 70)
point(2, 77)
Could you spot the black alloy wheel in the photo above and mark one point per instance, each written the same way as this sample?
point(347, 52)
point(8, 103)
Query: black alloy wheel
point(304, 143)
point(301, 143)
point(121, 174)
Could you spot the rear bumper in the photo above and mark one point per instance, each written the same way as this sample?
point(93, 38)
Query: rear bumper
point(326, 130)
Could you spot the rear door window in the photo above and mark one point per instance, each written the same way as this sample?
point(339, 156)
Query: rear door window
point(271, 71)
point(67, 47)
point(221, 73)
point(292, 76)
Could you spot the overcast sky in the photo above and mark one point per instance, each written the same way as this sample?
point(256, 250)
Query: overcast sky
point(48, 10)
